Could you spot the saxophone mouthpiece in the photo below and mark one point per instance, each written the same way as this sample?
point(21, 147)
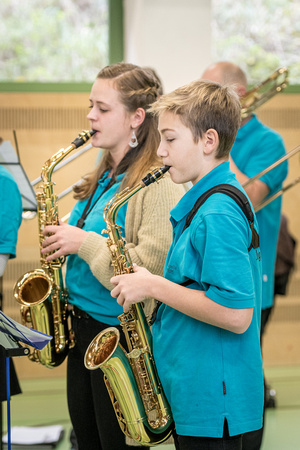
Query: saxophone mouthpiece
point(83, 137)
point(165, 169)
point(155, 175)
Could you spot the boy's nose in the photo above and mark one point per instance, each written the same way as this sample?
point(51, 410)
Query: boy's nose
point(160, 152)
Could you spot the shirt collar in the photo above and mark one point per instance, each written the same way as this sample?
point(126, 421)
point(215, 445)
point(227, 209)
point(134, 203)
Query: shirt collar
point(104, 180)
point(187, 202)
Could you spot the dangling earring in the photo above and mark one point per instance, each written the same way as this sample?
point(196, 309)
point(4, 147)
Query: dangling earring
point(133, 141)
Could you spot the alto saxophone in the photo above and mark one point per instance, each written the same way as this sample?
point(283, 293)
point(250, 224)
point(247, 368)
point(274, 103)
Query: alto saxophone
point(131, 378)
point(41, 292)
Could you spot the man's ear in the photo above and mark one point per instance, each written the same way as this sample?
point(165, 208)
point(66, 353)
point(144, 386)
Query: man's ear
point(138, 117)
point(211, 141)
point(241, 91)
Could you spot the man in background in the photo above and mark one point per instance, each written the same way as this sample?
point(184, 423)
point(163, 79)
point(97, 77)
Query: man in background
point(256, 147)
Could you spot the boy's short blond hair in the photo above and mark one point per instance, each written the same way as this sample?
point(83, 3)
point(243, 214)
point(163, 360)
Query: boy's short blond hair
point(202, 105)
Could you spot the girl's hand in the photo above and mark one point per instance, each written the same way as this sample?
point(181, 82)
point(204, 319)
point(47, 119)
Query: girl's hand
point(133, 287)
point(62, 239)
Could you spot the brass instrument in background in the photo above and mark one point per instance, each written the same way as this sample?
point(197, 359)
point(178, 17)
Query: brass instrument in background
point(264, 91)
point(41, 292)
point(250, 102)
point(277, 194)
point(131, 378)
point(268, 200)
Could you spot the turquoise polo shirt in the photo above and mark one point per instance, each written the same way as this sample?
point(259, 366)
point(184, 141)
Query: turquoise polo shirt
point(85, 291)
point(257, 147)
point(208, 373)
point(10, 212)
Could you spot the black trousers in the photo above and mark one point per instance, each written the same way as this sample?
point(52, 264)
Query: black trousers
point(91, 411)
point(206, 443)
point(253, 439)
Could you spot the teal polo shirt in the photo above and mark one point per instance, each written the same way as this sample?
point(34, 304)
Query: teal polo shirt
point(10, 212)
point(85, 291)
point(257, 147)
point(207, 371)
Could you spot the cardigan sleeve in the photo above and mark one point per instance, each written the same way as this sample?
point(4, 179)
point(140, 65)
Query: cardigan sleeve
point(148, 232)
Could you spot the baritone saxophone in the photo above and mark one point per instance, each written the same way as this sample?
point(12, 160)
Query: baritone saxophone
point(131, 378)
point(41, 292)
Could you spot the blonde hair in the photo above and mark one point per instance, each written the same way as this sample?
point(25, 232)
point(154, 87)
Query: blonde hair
point(202, 105)
point(138, 88)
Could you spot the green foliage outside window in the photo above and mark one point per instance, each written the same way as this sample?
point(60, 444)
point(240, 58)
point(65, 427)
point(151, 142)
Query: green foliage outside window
point(258, 35)
point(53, 40)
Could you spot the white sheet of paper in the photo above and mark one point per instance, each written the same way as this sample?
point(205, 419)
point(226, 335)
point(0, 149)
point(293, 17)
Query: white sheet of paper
point(34, 435)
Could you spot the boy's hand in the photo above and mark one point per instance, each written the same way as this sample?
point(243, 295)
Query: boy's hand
point(131, 288)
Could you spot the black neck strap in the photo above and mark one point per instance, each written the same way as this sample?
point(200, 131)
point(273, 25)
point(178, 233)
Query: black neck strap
point(88, 208)
point(238, 197)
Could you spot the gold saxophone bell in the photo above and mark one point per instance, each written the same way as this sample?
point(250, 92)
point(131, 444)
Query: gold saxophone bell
point(101, 348)
point(147, 428)
point(33, 287)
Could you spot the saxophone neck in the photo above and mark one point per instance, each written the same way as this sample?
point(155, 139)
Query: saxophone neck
point(111, 209)
point(50, 164)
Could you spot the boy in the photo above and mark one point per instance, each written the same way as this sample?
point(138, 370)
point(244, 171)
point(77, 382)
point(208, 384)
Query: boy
point(206, 341)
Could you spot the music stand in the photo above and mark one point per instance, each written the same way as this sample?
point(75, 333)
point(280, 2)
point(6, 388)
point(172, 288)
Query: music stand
point(10, 159)
point(11, 334)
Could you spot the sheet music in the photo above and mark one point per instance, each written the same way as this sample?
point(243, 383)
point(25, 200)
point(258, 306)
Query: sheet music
point(6, 341)
point(22, 333)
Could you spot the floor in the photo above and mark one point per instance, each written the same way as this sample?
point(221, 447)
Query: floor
point(43, 402)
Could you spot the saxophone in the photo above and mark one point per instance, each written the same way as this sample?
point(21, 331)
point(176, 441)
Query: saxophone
point(131, 378)
point(41, 292)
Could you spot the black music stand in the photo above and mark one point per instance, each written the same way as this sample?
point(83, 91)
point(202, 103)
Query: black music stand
point(10, 158)
point(11, 334)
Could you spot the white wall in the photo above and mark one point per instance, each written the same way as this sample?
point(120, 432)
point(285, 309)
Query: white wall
point(172, 36)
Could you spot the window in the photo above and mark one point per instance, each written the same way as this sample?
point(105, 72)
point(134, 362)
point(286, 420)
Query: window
point(260, 36)
point(53, 40)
